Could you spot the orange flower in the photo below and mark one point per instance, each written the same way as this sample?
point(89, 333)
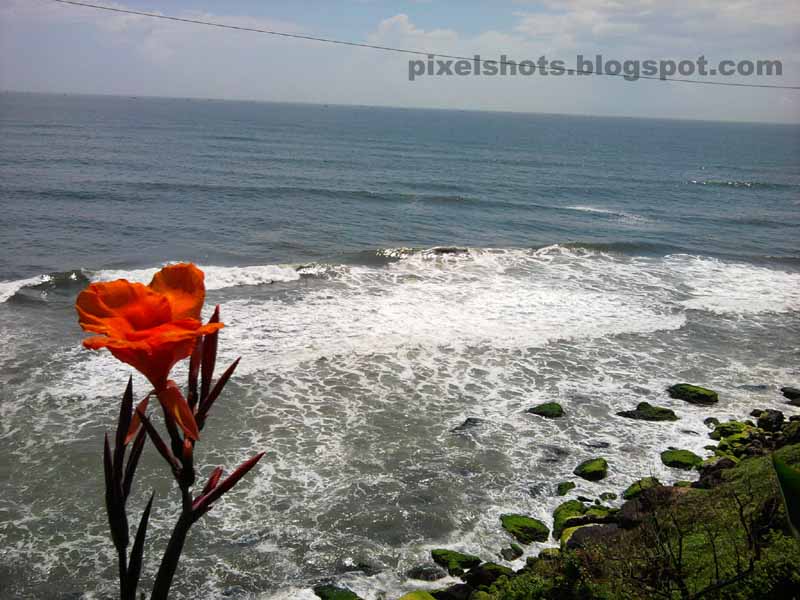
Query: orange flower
point(150, 327)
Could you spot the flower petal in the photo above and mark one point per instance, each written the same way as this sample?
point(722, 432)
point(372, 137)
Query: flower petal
point(183, 285)
point(120, 307)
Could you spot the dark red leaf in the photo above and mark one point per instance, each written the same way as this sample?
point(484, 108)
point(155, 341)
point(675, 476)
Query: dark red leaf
point(194, 370)
point(212, 481)
point(160, 445)
point(208, 401)
point(203, 504)
point(133, 461)
point(209, 357)
point(137, 552)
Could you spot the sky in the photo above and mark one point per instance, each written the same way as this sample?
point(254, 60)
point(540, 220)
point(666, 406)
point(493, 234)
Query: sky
point(51, 47)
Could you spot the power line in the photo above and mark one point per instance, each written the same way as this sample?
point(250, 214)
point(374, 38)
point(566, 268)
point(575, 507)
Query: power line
point(312, 38)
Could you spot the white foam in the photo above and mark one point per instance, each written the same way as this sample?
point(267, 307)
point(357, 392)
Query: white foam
point(217, 278)
point(9, 288)
point(621, 215)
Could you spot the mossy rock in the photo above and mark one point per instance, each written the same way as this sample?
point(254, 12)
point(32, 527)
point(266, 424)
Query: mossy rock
point(331, 592)
point(608, 496)
point(593, 469)
point(693, 394)
point(418, 595)
point(647, 412)
point(729, 428)
point(682, 484)
point(455, 562)
point(549, 410)
point(680, 459)
point(525, 529)
point(565, 511)
point(735, 445)
point(486, 574)
point(550, 553)
point(564, 487)
point(637, 487)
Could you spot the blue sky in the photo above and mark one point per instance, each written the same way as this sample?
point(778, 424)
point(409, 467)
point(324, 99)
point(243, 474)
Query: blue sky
point(46, 46)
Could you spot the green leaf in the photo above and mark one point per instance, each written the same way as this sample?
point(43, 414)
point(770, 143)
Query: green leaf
point(789, 480)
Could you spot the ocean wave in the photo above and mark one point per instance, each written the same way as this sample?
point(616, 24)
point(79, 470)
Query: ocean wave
point(618, 214)
point(745, 184)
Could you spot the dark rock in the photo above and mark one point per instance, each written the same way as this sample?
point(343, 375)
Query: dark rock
point(599, 444)
point(459, 591)
point(584, 499)
point(770, 420)
point(549, 553)
point(711, 422)
point(754, 387)
point(367, 567)
point(331, 592)
point(757, 412)
point(486, 574)
point(711, 472)
point(589, 535)
point(647, 412)
point(593, 469)
point(454, 562)
point(608, 496)
point(469, 423)
point(549, 410)
point(791, 432)
point(443, 250)
point(634, 511)
point(426, 572)
point(513, 552)
point(564, 487)
point(525, 529)
point(792, 393)
point(565, 513)
point(693, 394)
point(689, 432)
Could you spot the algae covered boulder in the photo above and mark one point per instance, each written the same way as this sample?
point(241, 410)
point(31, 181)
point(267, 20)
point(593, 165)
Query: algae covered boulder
point(647, 412)
point(331, 592)
point(608, 496)
point(454, 562)
point(513, 552)
point(427, 572)
point(693, 394)
point(564, 487)
point(548, 410)
point(564, 513)
point(593, 469)
point(418, 595)
point(680, 459)
point(637, 487)
point(525, 529)
point(729, 428)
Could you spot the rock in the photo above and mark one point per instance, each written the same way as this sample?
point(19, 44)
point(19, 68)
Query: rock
point(593, 469)
point(682, 484)
point(608, 496)
point(444, 250)
point(486, 574)
point(637, 487)
point(365, 565)
point(757, 412)
point(647, 412)
point(459, 591)
point(598, 444)
point(680, 459)
point(469, 423)
point(564, 487)
point(791, 432)
point(635, 510)
point(711, 472)
point(550, 553)
point(584, 499)
point(418, 595)
point(549, 410)
point(587, 535)
point(566, 512)
point(513, 552)
point(727, 429)
point(693, 394)
point(331, 592)
point(737, 445)
point(770, 420)
point(754, 387)
point(792, 393)
point(454, 562)
point(426, 572)
point(525, 529)
point(711, 422)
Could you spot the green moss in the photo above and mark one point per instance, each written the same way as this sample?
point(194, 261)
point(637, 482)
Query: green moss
point(647, 412)
point(418, 595)
point(549, 553)
point(564, 487)
point(564, 512)
point(513, 552)
point(525, 529)
point(549, 410)
point(682, 484)
point(680, 459)
point(331, 592)
point(608, 496)
point(455, 562)
point(723, 430)
point(593, 469)
point(637, 487)
point(693, 394)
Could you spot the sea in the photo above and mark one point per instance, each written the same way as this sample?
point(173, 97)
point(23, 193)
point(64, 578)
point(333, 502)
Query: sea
point(385, 274)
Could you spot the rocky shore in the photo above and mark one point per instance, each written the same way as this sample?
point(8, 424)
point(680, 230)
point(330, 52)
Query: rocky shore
point(722, 532)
